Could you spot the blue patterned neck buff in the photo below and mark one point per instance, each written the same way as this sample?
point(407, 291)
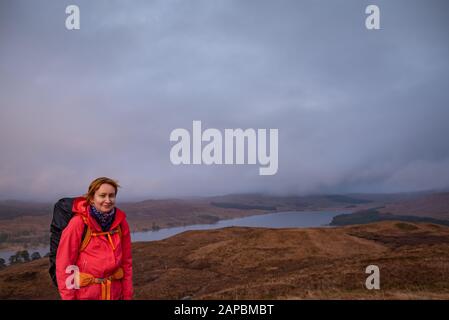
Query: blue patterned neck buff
point(105, 220)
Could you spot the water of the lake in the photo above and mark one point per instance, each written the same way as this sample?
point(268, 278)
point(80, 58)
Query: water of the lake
point(271, 220)
point(303, 219)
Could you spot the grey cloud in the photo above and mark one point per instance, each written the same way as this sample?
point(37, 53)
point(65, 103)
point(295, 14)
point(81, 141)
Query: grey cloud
point(356, 110)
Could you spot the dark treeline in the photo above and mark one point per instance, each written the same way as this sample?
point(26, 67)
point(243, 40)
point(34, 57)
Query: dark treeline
point(20, 257)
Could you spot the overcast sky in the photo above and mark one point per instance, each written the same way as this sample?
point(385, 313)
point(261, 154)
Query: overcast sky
point(357, 110)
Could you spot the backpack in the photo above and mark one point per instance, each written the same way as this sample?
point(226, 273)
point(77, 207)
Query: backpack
point(62, 213)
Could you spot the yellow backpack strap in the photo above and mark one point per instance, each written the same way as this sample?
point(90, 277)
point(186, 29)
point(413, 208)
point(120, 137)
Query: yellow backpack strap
point(111, 232)
point(87, 236)
point(116, 230)
point(119, 229)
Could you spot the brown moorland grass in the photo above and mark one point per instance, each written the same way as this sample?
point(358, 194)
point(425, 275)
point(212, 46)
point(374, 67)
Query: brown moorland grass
point(260, 263)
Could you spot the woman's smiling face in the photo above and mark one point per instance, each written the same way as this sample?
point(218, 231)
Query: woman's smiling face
point(104, 198)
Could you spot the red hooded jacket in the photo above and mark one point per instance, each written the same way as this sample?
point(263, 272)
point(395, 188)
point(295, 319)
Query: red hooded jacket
point(98, 259)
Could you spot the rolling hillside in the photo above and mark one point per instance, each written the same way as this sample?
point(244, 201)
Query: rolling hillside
point(259, 263)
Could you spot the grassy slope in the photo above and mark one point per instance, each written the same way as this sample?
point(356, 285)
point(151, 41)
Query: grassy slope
point(258, 263)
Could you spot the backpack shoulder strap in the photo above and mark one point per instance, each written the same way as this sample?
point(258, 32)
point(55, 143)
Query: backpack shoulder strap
point(119, 230)
point(87, 235)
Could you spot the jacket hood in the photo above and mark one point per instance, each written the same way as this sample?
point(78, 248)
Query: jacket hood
point(80, 207)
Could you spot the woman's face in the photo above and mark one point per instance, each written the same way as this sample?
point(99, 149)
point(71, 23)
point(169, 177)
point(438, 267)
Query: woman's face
point(104, 198)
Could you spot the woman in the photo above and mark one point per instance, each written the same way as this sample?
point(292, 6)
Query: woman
point(95, 248)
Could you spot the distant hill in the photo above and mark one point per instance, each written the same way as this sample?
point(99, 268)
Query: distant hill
point(346, 199)
point(261, 202)
point(260, 263)
point(27, 223)
point(374, 215)
point(434, 205)
point(12, 208)
point(431, 208)
point(241, 206)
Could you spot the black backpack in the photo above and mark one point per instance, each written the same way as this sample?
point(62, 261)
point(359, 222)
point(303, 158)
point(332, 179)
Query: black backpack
point(62, 213)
